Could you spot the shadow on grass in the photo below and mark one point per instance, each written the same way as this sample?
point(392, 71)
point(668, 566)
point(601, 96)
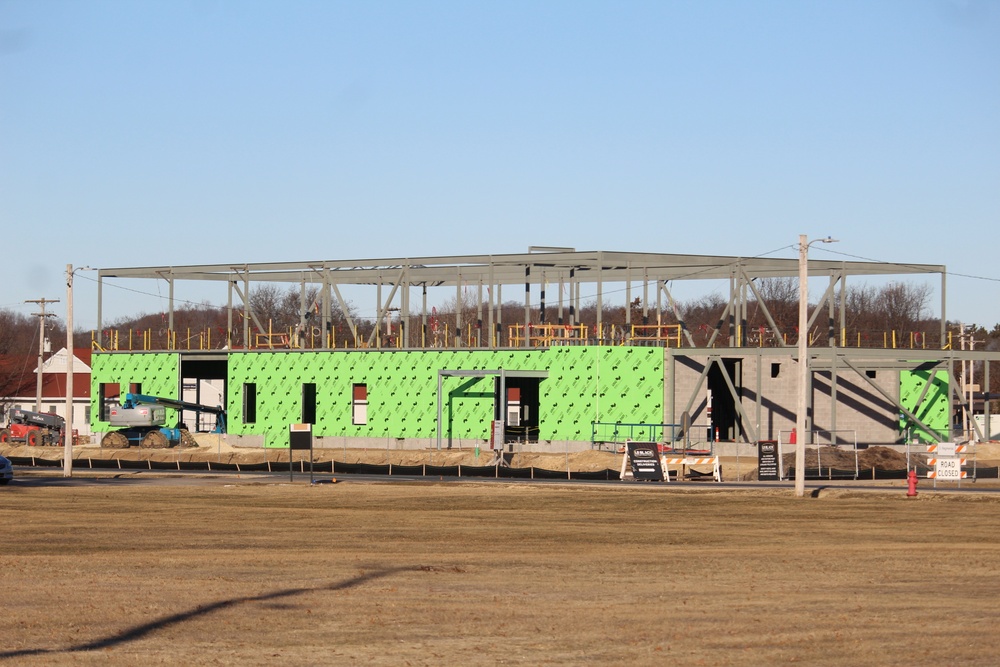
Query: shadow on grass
point(145, 629)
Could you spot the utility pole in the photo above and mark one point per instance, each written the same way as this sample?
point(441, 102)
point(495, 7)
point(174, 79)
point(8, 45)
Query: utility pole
point(802, 427)
point(803, 345)
point(70, 364)
point(41, 345)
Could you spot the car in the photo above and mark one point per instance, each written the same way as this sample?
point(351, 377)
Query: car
point(6, 470)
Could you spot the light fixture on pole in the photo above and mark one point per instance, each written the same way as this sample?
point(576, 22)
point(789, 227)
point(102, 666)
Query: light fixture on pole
point(70, 364)
point(800, 412)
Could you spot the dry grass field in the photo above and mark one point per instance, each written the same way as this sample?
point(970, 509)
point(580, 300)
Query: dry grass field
point(244, 572)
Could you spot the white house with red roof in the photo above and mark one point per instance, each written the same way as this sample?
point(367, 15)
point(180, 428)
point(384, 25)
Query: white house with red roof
point(53, 398)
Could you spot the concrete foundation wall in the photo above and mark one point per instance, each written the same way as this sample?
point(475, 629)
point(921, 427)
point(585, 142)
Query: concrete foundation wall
point(407, 444)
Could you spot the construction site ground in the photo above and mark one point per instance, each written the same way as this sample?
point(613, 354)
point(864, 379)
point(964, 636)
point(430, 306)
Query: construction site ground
point(238, 570)
point(216, 449)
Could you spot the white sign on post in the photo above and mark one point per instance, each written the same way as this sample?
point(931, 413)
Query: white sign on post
point(946, 449)
point(948, 469)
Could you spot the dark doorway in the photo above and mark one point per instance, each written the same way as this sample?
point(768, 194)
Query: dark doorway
point(203, 381)
point(725, 419)
point(519, 411)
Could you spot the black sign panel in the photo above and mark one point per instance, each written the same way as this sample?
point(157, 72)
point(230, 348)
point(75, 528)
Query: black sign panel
point(767, 461)
point(300, 436)
point(645, 460)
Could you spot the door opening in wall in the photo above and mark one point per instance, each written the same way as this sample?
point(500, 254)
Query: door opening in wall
point(725, 420)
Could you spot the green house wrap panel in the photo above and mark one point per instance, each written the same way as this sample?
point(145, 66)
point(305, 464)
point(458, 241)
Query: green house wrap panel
point(583, 384)
point(933, 410)
point(157, 373)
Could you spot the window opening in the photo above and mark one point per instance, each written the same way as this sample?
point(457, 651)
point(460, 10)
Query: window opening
point(359, 404)
point(108, 393)
point(250, 403)
point(309, 403)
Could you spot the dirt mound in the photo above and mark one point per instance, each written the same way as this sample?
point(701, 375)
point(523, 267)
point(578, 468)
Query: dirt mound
point(585, 461)
point(882, 458)
point(216, 449)
point(877, 457)
point(822, 457)
point(988, 450)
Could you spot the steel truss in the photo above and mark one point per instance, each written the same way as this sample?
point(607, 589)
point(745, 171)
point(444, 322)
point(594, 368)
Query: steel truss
point(569, 269)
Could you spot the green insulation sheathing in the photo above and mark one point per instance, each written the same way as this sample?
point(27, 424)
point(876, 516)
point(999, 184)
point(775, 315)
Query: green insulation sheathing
point(583, 385)
point(933, 409)
point(156, 374)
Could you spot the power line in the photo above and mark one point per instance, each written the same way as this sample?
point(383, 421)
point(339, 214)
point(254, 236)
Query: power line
point(911, 266)
point(136, 291)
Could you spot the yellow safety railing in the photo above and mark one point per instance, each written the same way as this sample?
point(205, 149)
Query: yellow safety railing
point(539, 335)
point(669, 334)
point(544, 335)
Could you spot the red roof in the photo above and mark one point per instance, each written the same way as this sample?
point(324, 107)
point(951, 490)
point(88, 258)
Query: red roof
point(18, 378)
point(84, 354)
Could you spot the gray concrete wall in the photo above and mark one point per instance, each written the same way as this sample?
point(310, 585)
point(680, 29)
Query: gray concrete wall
point(773, 416)
point(768, 387)
point(860, 411)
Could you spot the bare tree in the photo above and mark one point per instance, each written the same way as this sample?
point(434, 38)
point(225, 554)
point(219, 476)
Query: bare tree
point(18, 355)
point(18, 333)
point(282, 311)
point(266, 303)
point(781, 298)
point(902, 305)
point(860, 307)
point(703, 314)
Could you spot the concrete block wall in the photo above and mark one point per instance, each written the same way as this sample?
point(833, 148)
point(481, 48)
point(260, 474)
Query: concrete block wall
point(861, 411)
point(775, 417)
point(859, 408)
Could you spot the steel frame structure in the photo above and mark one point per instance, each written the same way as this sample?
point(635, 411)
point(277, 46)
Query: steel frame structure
point(571, 269)
point(568, 268)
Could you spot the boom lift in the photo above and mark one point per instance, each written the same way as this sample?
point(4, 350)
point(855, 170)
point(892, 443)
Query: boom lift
point(141, 420)
point(34, 428)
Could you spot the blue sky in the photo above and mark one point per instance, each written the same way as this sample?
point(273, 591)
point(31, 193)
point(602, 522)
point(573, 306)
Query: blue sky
point(172, 133)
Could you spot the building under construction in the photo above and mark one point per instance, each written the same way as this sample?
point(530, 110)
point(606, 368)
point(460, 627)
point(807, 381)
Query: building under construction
point(420, 379)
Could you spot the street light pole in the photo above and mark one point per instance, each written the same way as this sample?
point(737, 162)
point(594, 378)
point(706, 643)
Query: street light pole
point(70, 367)
point(800, 412)
point(70, 358)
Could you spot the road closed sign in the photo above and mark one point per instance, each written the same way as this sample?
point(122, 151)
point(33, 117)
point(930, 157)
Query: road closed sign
point(948, 469)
